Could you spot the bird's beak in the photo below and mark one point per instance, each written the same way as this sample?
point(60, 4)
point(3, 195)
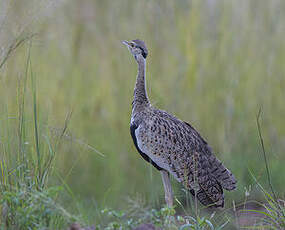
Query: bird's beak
point(125, 42)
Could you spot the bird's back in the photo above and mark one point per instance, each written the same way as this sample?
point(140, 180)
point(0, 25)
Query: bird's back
point(171, 144)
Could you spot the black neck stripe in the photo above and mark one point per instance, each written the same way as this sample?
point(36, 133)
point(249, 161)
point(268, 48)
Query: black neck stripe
point(143, 53)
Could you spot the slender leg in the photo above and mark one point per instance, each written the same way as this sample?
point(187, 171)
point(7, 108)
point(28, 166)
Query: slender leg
point(167, 188)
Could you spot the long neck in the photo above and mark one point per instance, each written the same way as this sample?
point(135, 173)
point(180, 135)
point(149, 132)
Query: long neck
point(140, 95)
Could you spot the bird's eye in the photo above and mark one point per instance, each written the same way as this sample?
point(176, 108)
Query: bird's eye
point(132, 45)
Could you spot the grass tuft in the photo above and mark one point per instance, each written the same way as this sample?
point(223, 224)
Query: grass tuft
point(28, 201)
point(273, 215)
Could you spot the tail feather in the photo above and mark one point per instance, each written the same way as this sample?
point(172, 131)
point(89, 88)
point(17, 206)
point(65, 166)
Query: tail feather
point(204, 199)
point(209, 190)
point(222, 174)
point(208, 177)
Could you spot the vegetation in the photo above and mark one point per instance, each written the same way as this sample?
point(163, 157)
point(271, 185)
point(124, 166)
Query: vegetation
point(66, 87)
point(27, 160)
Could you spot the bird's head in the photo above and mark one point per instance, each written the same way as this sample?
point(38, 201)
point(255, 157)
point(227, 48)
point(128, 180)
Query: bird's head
point(137, 48)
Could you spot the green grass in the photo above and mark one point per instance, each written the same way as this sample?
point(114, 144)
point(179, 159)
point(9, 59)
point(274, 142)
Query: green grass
point(28, 201)
point(273, 214)
point(212, 63)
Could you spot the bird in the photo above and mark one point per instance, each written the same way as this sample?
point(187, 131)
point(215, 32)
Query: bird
point(173, 146)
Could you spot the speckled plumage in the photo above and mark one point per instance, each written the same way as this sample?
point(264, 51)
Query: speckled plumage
point(175, 146)
point(178, 148)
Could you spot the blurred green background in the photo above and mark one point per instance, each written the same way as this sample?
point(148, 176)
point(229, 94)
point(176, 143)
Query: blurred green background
point(212, 63)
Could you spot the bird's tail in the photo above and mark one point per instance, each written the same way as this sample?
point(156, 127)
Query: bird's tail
point(222, 174)
point(207, 200)
point(207, 179)
point(206, 188)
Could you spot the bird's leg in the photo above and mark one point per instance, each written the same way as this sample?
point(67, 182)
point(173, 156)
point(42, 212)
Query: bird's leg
point(167, 188)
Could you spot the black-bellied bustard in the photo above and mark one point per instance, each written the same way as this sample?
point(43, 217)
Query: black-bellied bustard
point(174, 146)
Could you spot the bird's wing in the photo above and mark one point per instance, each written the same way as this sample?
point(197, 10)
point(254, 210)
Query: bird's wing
point(209, 162)
point(221, 173)
point(216, 167)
